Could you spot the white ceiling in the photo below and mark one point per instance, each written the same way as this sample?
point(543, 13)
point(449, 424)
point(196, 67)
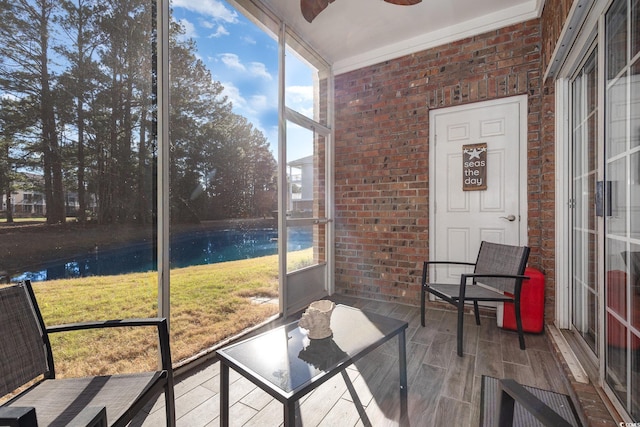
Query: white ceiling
point(351, 34)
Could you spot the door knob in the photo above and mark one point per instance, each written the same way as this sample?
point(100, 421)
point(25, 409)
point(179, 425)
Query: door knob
point(509, 217)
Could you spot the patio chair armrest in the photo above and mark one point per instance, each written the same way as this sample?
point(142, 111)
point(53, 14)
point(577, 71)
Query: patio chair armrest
point(464, 277)
point(18, 416)
point(113, 323)
point(450, 262)
point(159, 322)
point(511, 392)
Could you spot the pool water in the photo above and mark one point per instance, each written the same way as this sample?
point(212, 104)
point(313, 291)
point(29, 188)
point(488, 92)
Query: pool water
point(186, 250)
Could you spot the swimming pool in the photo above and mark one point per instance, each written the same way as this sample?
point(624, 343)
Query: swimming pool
point(186, 250)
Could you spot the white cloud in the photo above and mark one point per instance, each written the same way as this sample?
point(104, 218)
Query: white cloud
point(260, 70)
point(259, 103)
point(301, 93)
point(231, 60)
point(232, 93)
point(213, 8)
point(220, 31)
point(249, 40)
point(254, 69)
point(207, 24)
point(300, 98)
point(189, 29)
point(251, 108)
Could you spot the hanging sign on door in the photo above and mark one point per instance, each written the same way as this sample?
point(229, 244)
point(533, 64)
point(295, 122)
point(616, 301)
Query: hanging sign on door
point(474, 167)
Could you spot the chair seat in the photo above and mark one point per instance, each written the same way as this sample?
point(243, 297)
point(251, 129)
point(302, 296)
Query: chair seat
point(472, 292)
point(490, 395)
point(58, 401)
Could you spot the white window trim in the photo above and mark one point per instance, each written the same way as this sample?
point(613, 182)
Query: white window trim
point(562, 244)
point(568, 60)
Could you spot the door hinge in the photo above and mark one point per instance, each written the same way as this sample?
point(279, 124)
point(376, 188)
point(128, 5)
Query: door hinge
point(572, 203)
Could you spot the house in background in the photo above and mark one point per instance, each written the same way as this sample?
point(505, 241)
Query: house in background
point(26, 198)
point(28, 201)
point(301, 186)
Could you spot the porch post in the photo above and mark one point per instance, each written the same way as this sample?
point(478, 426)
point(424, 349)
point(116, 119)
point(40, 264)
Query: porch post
point(162, 23)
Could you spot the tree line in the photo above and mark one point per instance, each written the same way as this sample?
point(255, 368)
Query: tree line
point(78, 105)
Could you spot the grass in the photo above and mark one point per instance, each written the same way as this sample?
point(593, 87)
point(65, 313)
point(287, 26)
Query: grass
point(33, 219)
point(208, 304)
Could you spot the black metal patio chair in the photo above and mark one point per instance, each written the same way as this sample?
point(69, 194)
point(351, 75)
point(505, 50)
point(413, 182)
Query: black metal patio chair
point(505, 402)
point(26, 355)
point(497, 276)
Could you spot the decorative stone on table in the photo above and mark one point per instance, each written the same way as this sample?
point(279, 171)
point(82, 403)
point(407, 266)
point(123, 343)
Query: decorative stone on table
point(317, 319)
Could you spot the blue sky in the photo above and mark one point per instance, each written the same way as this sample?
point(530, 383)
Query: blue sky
point(245, 60)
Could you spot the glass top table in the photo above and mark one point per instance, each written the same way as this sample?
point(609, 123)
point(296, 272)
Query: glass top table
point(285, 363)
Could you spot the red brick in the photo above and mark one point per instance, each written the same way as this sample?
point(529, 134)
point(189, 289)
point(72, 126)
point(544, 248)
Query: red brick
point(382, 136)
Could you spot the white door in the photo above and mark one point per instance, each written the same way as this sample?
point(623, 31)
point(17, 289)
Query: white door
point(460, 219)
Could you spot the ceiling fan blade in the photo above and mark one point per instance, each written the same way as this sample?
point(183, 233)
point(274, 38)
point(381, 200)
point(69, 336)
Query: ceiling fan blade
point(403, 2)
point(312, 8)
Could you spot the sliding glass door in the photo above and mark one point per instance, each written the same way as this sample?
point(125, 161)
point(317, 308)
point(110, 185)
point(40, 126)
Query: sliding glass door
point(584, 233)
point(604, 203)
point(622, 168)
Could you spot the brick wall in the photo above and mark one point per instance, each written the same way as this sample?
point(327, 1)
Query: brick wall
point(554, 14)
point(382, 149)
point(551, 22)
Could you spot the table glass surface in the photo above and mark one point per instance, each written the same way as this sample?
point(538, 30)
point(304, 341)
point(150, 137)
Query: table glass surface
point(287, 359)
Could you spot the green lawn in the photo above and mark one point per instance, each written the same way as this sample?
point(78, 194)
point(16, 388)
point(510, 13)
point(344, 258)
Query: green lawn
point(4, 219)
point(33, 219)
point(208, 303)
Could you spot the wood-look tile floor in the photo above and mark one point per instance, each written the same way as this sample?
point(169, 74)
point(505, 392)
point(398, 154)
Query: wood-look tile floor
point(444, 389)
